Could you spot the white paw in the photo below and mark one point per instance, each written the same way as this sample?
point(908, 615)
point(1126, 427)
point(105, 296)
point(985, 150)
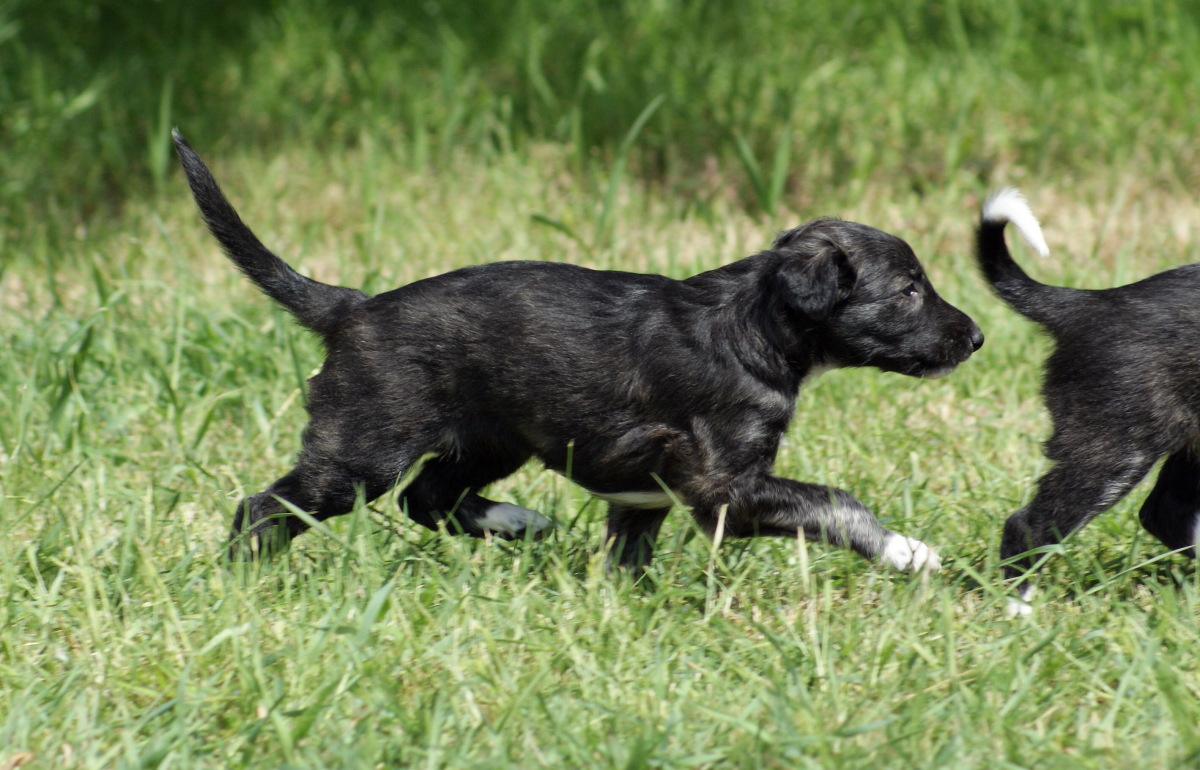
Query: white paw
point(1019, 604)
point(1016, 607)
point(907, 553)
point(513, 520)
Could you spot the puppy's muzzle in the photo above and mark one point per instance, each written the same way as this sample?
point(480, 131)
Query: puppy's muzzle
point(962, 349)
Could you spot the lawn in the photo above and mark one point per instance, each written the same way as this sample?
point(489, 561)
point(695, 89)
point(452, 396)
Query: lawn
point(145, 387)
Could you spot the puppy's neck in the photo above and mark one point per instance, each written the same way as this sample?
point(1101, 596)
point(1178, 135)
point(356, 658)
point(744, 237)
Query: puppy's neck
point(774, 345)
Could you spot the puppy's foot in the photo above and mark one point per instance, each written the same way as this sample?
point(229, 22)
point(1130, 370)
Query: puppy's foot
point(1019, 605)
point(264, 543)
point(512, 521)
point(615, 567)
point(907, 553)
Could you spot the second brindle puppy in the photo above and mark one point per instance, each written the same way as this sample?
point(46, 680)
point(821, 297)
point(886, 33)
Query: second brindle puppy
point(1122, 387)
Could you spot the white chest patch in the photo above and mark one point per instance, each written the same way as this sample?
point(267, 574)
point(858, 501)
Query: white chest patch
point(646, 500)
point(814, 372)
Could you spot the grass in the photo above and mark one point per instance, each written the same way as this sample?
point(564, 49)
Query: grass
point(789, 99)
point(145, 387)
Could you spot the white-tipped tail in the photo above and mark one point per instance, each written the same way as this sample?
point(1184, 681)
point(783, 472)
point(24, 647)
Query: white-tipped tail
point(1008, 205)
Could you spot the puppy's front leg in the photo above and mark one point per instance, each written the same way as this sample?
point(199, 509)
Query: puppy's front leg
point(769, 505)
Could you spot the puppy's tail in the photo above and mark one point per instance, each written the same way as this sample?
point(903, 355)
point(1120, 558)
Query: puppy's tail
point(1022, 293)
point(314, 304)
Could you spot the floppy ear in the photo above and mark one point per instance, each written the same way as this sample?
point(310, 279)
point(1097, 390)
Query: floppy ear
point(815, 276)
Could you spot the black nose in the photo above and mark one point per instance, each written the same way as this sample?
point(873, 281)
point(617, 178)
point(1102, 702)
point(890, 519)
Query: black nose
point(976, 338)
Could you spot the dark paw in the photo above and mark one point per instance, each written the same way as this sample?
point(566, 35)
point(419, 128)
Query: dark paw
point(264, 541)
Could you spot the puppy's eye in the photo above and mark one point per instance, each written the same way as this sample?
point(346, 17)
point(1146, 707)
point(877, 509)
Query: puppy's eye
point(911, 290)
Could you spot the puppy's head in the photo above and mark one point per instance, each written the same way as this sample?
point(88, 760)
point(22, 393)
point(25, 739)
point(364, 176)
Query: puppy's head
point(862, 294)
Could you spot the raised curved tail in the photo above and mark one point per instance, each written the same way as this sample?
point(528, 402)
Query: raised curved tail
point(317, 305)
point(1022, 293)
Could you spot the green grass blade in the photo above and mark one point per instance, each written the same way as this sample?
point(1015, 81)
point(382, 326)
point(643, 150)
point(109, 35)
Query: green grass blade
point(617, 172)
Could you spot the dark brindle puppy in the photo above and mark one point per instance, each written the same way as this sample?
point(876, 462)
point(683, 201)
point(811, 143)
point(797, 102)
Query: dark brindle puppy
point(1122, 387)
point(638, 384)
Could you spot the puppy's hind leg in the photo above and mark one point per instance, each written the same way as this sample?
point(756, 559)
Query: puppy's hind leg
point(446, 490)
point(1070, 495)
point(263, 525)
point(632, 532)
point(1172, 510)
